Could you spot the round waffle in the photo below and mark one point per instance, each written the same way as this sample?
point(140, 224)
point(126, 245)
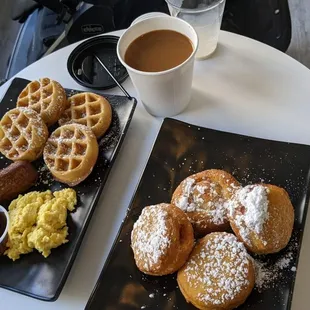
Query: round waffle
point(22, 134)
point(70, 153)
point(46, 97)
point(90, 110)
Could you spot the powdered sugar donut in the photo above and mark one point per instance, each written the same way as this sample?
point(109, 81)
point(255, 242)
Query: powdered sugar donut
point(262, 216)
point(219, 273)
point(161, 239)
point(204, 197)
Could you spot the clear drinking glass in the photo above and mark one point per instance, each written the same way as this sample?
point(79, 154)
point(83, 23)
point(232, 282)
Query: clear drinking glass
point(206, 18)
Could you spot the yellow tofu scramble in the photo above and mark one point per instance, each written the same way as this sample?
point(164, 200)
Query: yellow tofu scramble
point(38, 220)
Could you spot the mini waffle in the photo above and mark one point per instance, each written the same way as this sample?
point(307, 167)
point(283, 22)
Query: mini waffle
point(46, 97)
point(90, 110)
point(71, 153)
point(22, 134)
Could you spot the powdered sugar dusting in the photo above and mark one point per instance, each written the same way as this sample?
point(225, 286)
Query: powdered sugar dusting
point(149, 237)
point(204, 196)
point(264, 275)
point(44, 177)
point(285, 261)
point(183, 202)
point(250, 209)
point(267, 274)
point(221, 267)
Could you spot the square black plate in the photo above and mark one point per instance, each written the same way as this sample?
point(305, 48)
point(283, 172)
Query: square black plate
point(179, 151)
point(32, 274)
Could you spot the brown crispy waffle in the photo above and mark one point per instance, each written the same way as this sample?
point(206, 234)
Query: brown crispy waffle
point(46, 97)
point(90, 110)
point(22, 134)
point(70, 153)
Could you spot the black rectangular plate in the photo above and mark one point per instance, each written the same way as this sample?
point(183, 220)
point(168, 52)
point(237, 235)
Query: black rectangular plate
point(32, 274)
point(180, 150)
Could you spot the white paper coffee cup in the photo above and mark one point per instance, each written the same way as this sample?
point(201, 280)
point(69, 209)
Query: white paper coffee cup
point(164, 93)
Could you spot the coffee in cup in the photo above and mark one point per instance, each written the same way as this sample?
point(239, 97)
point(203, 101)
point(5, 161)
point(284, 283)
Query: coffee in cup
point(158, 50)
point(158, 53)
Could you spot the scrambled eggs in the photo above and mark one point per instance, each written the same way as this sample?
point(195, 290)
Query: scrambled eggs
point(38, 221)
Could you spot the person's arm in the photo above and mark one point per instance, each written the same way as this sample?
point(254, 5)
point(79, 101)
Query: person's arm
point(266, 21)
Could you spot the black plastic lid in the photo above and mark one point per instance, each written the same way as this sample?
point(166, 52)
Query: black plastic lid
point(86, 70)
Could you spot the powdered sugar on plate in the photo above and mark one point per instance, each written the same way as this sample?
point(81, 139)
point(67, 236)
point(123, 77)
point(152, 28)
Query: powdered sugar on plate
point(269, 271)
point(285, 261)
point(219, 268)
point(267, 275)
point(249, 208)
point(149, 237)
point(44, 176)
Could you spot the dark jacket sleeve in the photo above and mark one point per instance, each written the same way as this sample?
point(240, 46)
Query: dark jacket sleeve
point(267, 21)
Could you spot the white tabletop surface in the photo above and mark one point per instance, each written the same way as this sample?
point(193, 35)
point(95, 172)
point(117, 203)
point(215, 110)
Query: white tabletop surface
point(246, 87)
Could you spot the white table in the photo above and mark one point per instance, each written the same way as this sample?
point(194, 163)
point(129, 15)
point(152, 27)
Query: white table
point(246, 87)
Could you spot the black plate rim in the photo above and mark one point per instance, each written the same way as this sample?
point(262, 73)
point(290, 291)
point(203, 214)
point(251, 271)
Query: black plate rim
point(92, 295)
point(80, 48)
point(91, 209)
point(168, 119)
